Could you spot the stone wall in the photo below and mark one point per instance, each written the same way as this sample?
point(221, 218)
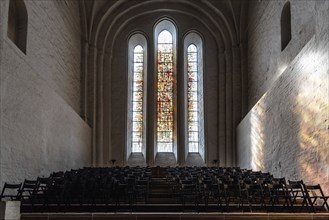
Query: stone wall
point(41, 130)
point(286, 132)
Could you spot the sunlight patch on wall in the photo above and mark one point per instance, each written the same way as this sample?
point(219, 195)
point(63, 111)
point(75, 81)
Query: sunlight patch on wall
point(282, 68)
point(257, 120)
point(312, 106)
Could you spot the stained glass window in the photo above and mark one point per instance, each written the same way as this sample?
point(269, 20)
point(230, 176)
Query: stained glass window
point(192, 98)
point(137, 99)
point(165, 91)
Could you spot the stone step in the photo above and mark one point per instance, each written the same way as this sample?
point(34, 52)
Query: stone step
point(160, 195)
point(161, 200)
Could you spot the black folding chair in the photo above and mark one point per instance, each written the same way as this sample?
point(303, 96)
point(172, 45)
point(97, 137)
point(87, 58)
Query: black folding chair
point(29, 188)
point(278, 194)
point(11, 192)
point(189, 196)
point(141, 189)
point(255, 196)
point(297, 194)
point(233, 195)
point(28, 191)
point(313, 195)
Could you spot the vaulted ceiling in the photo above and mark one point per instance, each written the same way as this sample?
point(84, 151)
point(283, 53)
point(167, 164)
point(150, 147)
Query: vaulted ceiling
point(104, 19)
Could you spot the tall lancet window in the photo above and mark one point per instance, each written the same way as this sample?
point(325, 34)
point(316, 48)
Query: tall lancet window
point(194, 93)
point(165, 107)
point(192, 98)
point(137, 51)
point(165, 34)
point(137, 99)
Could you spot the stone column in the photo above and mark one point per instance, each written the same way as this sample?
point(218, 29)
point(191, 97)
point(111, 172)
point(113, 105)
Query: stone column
point(107, 109)
point(84, 80)
point(229, 108)
point(91, 91)
point(236, 97)
point(244, 79)
point(221, 110)
point(99, 109)
point(181, 107)
point(151, 100)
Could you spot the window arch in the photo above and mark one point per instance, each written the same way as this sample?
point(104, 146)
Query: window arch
point(17, 24)
point(285, 26)
point(163, 132)
point(165, 44)
point(193, 64)
point(137, 75)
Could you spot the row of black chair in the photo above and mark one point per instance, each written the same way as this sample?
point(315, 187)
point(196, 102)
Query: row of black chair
point(197, 188)
point(88, 186)
point(240, 188)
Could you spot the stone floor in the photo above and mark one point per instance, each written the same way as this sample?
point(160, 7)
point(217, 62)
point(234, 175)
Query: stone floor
point(175, 216)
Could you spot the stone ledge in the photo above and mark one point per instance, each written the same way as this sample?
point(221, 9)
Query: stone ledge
point(10, 210)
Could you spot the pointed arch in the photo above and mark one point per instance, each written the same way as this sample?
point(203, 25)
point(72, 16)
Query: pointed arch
point(137, 75)
point(285, 26)
point(194, 110)
point(17, 24)
point(165, 44)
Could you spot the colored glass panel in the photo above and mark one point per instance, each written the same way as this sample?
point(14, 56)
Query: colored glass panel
point(138, 86)
point(137, 106)
point(193, 126)
point(164, 137)
point(165, 116)
point(165, 119)
point(137, 116)
point(165, 126)
point(165, 86)
point(193, 136)
point(193, 75)
point(192, 98)
point(137, 99)
point(165, 106)
point(192, 116)
point(165, 37)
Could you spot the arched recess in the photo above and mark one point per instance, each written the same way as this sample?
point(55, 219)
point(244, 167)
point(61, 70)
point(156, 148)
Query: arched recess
point(165, 44)
point(285, 25)
point(125, 11)
point(117, 28)
point(112, 20)
point(193, 92)
point(119, 23)
point(17, 24)
point(137, 102)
